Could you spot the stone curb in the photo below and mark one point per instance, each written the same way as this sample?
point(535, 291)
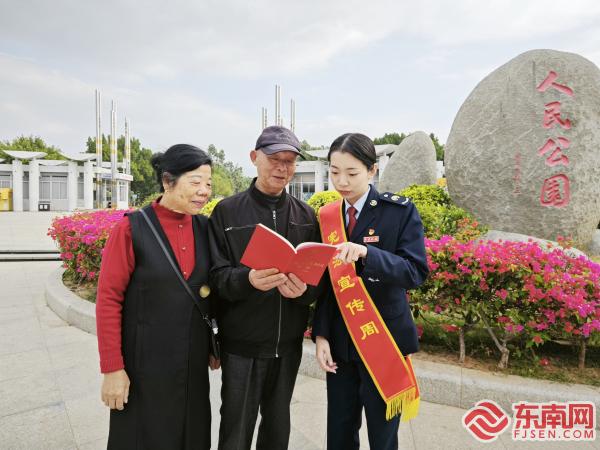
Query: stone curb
point(463, 388)
point(68, 306)
point(439, 383)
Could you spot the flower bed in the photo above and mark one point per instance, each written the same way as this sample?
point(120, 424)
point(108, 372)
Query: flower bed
point(81, 238)
point(515, 291)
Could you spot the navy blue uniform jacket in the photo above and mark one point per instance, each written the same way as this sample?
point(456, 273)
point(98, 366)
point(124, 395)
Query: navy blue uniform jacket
point(394, 264)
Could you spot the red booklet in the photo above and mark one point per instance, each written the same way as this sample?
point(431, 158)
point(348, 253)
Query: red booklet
point(268, 249)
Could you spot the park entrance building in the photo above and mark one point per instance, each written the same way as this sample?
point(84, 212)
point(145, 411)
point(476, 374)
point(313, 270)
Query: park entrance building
point(35, 184)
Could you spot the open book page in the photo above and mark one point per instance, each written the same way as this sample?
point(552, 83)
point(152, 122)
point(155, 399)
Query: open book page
point(310, 261)
point(268, 249)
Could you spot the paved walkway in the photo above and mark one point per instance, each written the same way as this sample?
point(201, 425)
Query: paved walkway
point(26, 230)
point(49, 385)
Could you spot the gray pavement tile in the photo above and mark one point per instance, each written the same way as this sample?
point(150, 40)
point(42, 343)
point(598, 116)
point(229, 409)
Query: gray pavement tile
point(16, 279)
point(435, 430)
point(31, 362)
point(309, 390)
point(27, 230)
point(16, 313)
point(309, 421)
point(28, 392)
point(81, 353)
point(26, 326)
point(48, 319)
point(435, 409)
point(300, 441)
point(62, 333)
point(79, 382)
point(42, 428)
point(14, 296)
point(99, 444)
point(405, 437)
point(14, 343)
point(39, 301)
point(89, 418)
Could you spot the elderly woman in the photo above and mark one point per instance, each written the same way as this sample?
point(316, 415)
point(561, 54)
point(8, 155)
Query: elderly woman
point(153, 336)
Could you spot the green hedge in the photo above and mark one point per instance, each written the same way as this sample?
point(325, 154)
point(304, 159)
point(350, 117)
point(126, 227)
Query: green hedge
point(322, 198)
point(440, 216)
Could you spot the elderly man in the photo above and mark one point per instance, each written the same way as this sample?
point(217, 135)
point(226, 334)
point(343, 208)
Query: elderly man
point(262, 313)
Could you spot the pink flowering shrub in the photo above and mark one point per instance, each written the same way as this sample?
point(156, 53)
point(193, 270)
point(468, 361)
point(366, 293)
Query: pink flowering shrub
point(514, 290)
point(81, 238)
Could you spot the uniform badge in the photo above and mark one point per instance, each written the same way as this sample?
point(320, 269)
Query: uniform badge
point(204, 291)
point(395, 197)
point(373, 203)
point(371, 231)
point(370, 239)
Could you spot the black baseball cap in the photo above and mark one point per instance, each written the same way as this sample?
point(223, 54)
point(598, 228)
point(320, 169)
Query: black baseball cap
point(275, 139)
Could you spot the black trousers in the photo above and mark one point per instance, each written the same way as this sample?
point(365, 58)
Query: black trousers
point(250, 384)
point(348, 391)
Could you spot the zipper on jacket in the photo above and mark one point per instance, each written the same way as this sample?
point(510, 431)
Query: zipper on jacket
point(280, 300)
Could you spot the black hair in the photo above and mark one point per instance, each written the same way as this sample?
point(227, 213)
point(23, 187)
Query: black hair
point(177, 160)
point(358, 145)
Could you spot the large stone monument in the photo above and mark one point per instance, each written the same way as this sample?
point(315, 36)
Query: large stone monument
point(413, 162)
point(523, 152)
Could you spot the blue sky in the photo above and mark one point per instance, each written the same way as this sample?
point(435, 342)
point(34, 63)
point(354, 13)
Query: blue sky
point(199, 72)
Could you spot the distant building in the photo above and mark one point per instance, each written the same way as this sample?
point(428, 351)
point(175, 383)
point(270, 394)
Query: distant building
point(39, 185)
point(313, 176)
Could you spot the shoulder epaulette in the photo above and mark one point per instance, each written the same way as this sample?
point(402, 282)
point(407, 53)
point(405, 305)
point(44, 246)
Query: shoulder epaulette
point(395, 198)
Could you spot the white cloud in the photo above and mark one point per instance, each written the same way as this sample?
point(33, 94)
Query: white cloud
point(159, 59)
point(61, 109)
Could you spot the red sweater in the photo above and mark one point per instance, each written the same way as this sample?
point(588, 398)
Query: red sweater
point(118, 263)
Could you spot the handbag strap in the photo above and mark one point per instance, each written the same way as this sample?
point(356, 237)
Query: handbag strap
point(176, 269)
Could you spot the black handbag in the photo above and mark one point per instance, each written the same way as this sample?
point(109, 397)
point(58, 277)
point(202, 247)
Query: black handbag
point(215, 348)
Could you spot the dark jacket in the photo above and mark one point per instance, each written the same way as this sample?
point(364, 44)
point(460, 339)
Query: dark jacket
point(395, 263)
point(254, 323)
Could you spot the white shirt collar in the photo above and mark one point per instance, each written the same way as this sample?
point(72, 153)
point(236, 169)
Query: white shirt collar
point(358, 204)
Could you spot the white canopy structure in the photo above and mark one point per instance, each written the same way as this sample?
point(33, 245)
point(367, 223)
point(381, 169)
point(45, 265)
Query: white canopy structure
point(24, 156)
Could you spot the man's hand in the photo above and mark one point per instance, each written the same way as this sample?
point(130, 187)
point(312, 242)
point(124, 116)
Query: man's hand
point(293, 287)
point(115, 389)
point(267, 279)
point(349, 252)
point(324, 355)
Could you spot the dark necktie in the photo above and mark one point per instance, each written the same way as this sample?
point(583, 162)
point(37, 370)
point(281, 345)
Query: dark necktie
point(351, 220)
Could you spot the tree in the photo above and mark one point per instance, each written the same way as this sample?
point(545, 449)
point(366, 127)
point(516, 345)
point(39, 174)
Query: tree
point(144, 181)
point(30, 144)
point(395, 138)
point(221, 184)
point(305, 147)
point(439, 148)
point(390, 138)
point(228, 178)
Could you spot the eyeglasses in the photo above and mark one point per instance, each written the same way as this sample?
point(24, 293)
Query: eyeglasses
point(277, 161)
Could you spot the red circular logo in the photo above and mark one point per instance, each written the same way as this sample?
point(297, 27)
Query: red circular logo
point(486, 421)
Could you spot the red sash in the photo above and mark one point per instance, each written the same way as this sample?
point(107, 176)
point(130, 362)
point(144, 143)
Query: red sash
point(391, 372)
